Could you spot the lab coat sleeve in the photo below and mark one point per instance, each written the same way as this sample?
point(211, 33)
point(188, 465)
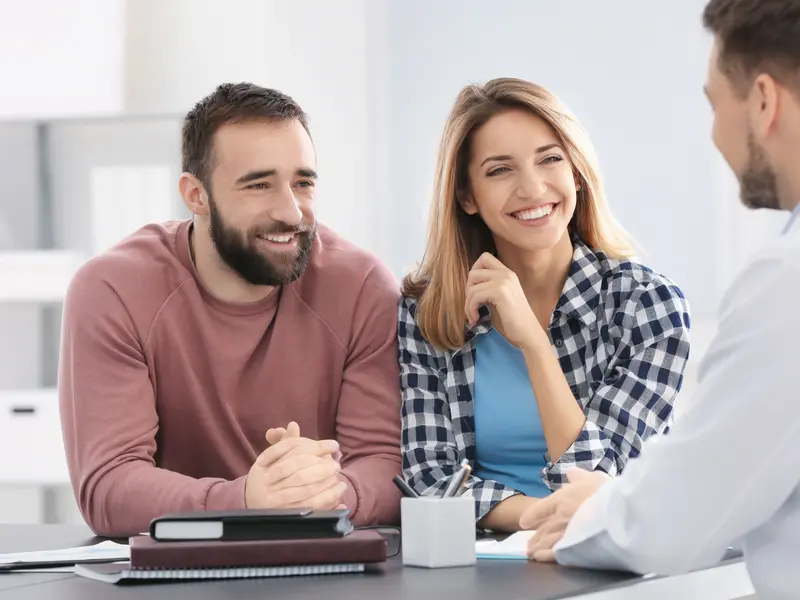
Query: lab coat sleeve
point(728, 463)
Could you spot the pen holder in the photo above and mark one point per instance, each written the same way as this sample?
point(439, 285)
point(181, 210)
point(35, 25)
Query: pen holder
point(438, 532)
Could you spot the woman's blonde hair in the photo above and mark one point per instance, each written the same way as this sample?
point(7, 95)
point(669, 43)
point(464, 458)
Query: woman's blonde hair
point(456, 240)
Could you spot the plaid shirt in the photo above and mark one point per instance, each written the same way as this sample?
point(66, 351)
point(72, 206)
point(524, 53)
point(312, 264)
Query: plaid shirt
point(621, 334)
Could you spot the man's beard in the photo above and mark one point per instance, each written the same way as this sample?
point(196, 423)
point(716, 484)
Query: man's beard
point(239, 250)
point(758, 186)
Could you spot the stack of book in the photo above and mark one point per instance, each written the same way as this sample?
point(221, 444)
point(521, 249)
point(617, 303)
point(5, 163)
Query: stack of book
point(244, 544)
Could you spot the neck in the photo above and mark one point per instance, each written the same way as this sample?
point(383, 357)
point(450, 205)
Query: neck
point(790, 194)
point(541, 274)
point(787, 166)
point(222, 281)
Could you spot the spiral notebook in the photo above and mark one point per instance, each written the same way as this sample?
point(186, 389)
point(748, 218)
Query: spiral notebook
point(514, 547)
point(121, 573)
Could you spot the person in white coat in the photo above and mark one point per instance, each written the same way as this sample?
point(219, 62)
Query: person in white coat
point(728, 473)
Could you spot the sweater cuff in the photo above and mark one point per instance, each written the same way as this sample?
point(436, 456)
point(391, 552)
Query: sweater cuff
point(226, 495)
point(350, 496)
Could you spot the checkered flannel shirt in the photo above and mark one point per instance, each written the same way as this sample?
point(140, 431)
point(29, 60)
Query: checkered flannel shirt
point(621, 334)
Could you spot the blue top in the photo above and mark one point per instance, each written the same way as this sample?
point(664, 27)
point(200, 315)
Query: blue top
point(509, 439)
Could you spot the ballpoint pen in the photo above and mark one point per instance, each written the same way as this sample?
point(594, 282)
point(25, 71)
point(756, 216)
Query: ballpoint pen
point(458, 480)
point(407, 490)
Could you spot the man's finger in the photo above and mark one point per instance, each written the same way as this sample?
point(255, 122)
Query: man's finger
point(296, 445)
point(546, 540)
point(301, 496)
point(293, 429)
point(539, 512)
point(327, 499)
point(275, 435)
point(283, 469)
point(554, 524)
point(321, 448)
point(545, 556)
point(304, 475)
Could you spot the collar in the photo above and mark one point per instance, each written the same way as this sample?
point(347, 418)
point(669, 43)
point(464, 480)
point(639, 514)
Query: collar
point(581, 291)
point(792, 219)
point(579, 296)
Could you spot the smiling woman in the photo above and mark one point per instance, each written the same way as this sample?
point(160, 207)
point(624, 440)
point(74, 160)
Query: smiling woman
point(530, 342)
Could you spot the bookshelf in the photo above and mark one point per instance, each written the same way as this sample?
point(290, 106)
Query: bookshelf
point(69, 189)
point(37, 275)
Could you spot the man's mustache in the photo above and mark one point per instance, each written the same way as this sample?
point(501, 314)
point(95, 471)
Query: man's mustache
point(283, 228)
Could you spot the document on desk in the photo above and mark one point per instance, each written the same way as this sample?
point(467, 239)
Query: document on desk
point(514, 547)
point(58, 560)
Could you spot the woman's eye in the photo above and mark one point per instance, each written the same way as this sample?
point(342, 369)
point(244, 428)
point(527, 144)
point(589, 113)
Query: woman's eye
point(497, 171)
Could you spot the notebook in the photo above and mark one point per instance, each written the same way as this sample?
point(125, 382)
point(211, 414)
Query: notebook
point(514, 547)
point(274, 524)
point(107, 551)
point(124, 573)
point(365, 546)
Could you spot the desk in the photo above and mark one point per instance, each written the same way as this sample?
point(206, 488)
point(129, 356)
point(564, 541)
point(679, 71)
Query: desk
point(505, 580)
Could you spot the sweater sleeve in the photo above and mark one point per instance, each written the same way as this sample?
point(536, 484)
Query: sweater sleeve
point(109, 418)
point(368, 416)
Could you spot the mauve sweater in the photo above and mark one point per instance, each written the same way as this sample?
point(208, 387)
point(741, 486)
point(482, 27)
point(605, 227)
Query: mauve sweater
point(166, 392)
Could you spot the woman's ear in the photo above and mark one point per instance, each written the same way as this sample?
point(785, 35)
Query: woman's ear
point(467, 203)
point(577, 177)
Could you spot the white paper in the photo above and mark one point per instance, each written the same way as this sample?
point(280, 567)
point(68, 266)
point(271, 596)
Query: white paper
point(44, 570)
point(110, 551)
point(70, 569)
point(513, 547)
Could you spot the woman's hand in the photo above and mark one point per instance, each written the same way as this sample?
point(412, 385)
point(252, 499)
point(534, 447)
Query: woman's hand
point(491, 282)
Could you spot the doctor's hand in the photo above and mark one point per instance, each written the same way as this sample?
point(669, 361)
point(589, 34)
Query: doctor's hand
point(491, 283)
point(551, 516)
point(295, 472)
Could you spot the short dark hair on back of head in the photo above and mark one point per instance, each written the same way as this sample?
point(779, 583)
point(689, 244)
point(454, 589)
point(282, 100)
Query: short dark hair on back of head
point(230, 103)
point(756, 36)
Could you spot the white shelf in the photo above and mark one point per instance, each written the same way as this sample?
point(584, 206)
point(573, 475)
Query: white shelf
point(37, 275)
point(30, 397)
point(31, 438)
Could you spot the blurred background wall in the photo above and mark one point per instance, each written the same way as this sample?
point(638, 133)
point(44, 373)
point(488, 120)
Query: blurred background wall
point(93, 92)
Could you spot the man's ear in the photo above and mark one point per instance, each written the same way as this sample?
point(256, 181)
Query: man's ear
point(764, 104)
point(194, 194)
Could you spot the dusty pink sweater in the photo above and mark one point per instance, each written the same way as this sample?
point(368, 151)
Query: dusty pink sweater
point(166, 392)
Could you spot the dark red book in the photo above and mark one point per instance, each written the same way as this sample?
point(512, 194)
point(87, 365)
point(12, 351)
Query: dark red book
point(357, 547)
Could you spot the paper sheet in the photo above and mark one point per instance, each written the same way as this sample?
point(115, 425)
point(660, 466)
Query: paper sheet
point(514, 547)
point(110, 551)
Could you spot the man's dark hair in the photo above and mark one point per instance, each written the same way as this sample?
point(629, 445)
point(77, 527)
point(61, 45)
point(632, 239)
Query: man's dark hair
point(230, 103)
point(756, 36)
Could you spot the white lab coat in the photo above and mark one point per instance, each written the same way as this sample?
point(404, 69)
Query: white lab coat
point(728, 473)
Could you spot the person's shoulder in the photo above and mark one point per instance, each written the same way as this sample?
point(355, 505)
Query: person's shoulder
point(343, 282)
point(407, 308)
point(407, 320)
point(773, 270)
point(339, 264)
point(142, 267)
point(632, 286)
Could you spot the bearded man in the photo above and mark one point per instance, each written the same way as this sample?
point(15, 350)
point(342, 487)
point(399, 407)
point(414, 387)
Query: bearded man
point(242, 359)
